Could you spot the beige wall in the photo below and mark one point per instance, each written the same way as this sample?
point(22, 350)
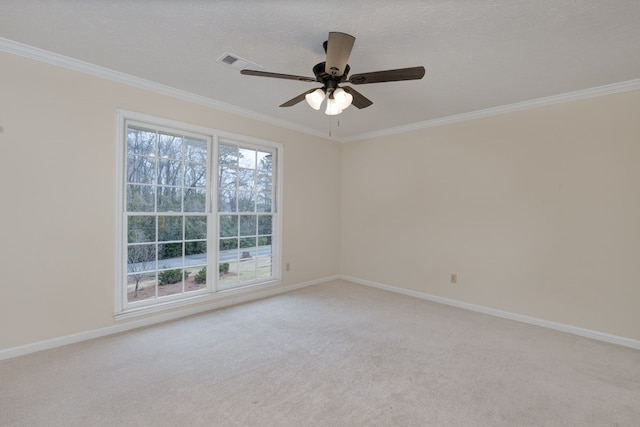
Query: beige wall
point(57, 177)
point(538, 212)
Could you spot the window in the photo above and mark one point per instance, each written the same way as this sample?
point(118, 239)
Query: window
point(245, 214)
point(193, 201)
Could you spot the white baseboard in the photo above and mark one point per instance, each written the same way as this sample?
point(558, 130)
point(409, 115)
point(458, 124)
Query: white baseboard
point(176, 314)
point(237, 299)
point(600, 336)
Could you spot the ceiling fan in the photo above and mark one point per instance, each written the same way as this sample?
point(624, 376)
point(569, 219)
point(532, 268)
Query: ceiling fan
point(333, 72)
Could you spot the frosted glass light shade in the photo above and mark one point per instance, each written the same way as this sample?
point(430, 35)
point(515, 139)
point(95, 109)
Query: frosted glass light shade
point(343, 98)
point(332, 107)
point(315, 98)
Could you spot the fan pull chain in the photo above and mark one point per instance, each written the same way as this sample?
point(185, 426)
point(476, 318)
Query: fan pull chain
point(331, 125)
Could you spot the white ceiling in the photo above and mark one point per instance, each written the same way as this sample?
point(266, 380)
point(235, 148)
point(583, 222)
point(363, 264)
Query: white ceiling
point(478, 54)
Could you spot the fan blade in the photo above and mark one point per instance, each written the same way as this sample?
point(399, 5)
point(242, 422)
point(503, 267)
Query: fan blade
point(299, 98)
point(359, 100)
point(413, 73)
point(277, 75)
point(339, 47)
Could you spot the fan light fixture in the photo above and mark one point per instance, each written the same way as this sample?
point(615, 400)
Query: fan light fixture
point(337, 101)
point(332, 108)
point(315, 98)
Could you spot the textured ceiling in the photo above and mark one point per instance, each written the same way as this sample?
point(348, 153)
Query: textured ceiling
point(478, 54)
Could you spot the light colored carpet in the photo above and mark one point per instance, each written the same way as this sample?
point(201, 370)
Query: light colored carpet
point(336, 354)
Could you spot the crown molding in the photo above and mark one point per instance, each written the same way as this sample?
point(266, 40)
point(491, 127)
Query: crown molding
point(42, 55)
point(609, 89)
point(73, 64)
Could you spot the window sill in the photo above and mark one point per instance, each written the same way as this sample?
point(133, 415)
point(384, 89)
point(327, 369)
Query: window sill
point(232, 296)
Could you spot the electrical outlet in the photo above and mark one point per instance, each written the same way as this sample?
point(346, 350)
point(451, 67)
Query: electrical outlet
point(288, 266)
point(453, 279)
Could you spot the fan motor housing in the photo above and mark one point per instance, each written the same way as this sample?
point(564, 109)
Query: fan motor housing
point(329, 80)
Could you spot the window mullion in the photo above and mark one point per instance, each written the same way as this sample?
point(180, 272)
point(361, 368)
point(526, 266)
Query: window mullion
point(213, 222)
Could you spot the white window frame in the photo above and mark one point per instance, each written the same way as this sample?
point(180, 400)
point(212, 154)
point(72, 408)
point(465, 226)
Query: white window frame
point(124, 309)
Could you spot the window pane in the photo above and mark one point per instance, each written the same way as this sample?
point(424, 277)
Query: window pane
point(223, 269)
point(141, 277)
point(195, 175)
point(169, 228)
point(264, 182)
point(195, 199)
point(248, 253)
point(195, 227)
point(195, 278)
point(141, 258)
point(265, 268)
point(264, 251)
point(228, 156)
point(140, 141)
point(247, 158)
point(141, 286)
point(169, 199)
point(195, 150)
point(247, 242)
point(248, 225)
point(227, 178)
point(141, 229)
point(227, 245)
point(227, 274)
point(170, 255)
point(227, 201)
point(246, 202)
point(140, 198)
point(196, 253)
point(170, 281)
point(264, 241)
point(170, 147)
point(247, 270)
point(263, 202)
point(264, 224)
point(228, 225)
point(170, 172)
point(265, 161)
point(246, 180)
point(141, 170)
